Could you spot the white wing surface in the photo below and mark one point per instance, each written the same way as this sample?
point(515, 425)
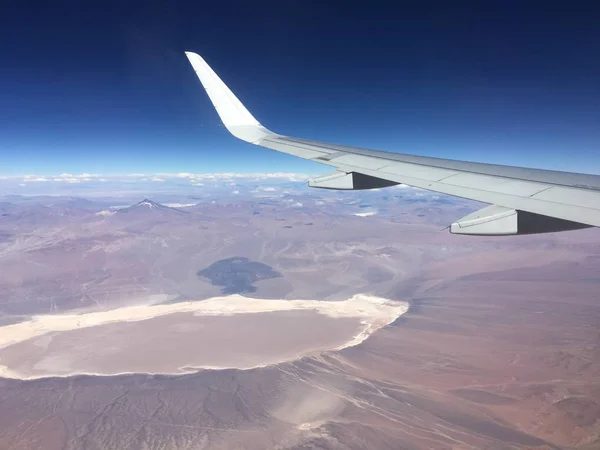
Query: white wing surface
point(524, 201)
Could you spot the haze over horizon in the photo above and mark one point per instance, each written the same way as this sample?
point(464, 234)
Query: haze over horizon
point(107, 89)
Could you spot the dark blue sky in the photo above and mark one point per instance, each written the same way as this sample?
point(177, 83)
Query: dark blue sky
point(107, 88)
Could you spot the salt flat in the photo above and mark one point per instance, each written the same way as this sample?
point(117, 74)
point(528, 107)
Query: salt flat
point(222, 332)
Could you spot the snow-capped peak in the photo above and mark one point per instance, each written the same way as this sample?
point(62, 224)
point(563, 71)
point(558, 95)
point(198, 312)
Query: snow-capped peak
point(149, 204)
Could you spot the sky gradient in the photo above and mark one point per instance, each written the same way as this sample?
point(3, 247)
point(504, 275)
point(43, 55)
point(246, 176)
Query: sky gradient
point(107, 89)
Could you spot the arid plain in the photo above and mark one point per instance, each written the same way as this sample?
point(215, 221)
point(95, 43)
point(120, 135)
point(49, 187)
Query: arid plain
point(277, 318)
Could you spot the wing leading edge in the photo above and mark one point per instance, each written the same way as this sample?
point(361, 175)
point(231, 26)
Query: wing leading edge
point(524, 201)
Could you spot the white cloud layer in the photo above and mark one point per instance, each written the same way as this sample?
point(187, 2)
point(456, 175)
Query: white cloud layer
point(195, 179)
point(229, 176)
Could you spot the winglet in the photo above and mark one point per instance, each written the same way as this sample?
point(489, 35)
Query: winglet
point(232, 112)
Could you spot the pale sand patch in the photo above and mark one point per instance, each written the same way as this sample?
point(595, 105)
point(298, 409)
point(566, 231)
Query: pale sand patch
point(223, 332)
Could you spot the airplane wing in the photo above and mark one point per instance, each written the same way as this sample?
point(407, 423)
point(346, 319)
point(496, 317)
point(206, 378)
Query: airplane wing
point(522, 200)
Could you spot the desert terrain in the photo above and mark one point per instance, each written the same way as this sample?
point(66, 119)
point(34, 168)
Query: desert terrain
point(220, 333)
point(498, 348)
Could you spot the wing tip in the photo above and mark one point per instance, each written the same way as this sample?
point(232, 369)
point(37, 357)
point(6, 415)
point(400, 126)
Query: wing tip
point(194, 57)
point(234, 115)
